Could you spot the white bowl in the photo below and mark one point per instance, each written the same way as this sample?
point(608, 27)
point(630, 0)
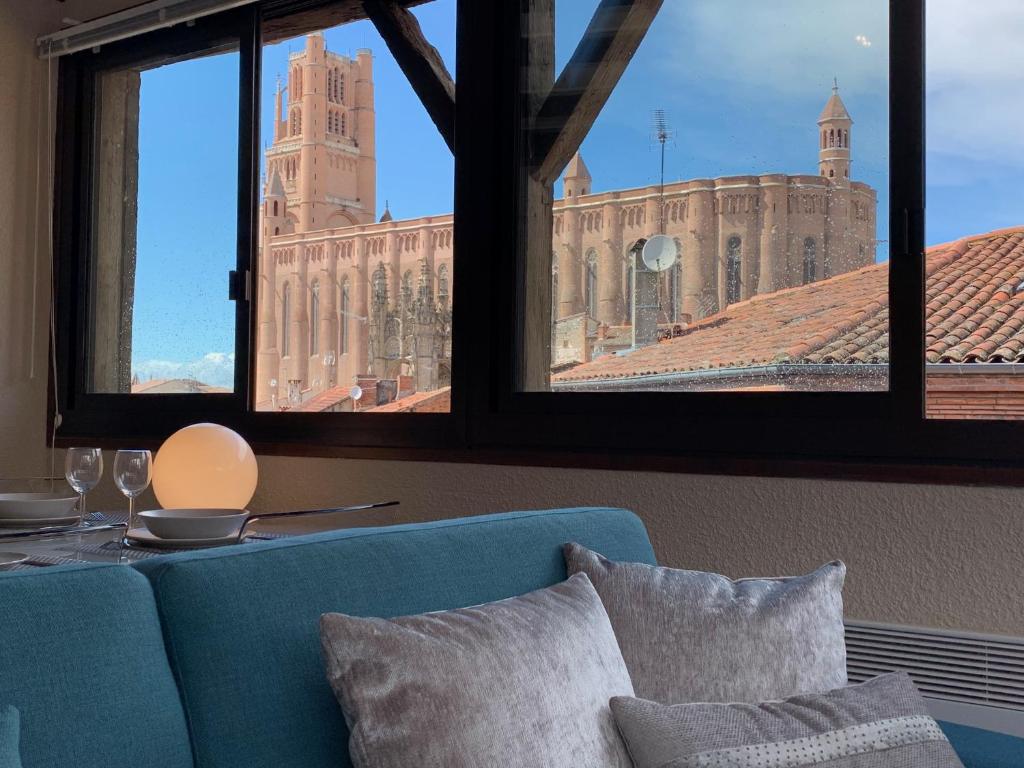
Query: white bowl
point(32, 506)
point(194, 523)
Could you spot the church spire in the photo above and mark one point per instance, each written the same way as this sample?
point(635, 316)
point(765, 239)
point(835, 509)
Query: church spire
point(834, 130)
point(577, 180)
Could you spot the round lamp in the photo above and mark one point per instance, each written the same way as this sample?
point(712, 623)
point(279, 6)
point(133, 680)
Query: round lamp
point(205, 466)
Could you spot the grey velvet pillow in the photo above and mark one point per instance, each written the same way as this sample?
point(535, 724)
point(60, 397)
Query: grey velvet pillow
point(519, 682)
point(10, 736)
point(882, 723)
point(689, 636)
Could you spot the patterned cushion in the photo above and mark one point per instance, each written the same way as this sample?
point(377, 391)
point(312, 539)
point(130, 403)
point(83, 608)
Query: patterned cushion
point(689, 636)
point(520, 682)
point(9, 737)
point(882, 723)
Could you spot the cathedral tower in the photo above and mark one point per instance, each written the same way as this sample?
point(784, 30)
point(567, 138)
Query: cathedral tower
point(324, 141)
point(577, 180)
point(835, 127)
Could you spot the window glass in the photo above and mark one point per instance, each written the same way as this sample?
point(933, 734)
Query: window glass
point(164, 228)
point(723, 225)
point(355, 227)
point(974, 285)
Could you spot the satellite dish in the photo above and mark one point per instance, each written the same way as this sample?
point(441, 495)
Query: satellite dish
point(659, 253)
point(356, 392)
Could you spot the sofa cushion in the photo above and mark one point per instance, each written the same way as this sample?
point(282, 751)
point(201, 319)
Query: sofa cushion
point(10, 735)
point(523, 681)
point(882, 723)
point(82, 658)
point(689, 636)
point(242, 623)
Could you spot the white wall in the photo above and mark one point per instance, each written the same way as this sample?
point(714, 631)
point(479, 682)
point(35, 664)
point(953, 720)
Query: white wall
point(926, 555)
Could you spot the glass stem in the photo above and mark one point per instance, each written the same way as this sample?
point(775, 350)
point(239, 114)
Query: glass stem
point(81, 506)
point(131, 512)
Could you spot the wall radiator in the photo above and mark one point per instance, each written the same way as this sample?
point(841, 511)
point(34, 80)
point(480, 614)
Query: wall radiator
point(967, 678)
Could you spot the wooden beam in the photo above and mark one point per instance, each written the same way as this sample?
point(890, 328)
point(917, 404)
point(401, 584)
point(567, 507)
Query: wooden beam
point(577, 98)
point(419, 60)
point(281, 20)
point(537, 219)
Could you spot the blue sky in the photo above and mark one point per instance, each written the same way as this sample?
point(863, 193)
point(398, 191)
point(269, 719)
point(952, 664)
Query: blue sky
point(742, 90)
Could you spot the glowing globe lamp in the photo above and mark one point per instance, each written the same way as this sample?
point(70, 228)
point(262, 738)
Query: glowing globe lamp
point(205, 466)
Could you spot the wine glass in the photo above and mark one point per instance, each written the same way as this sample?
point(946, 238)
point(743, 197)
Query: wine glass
point(133, 471)
point(83, 468)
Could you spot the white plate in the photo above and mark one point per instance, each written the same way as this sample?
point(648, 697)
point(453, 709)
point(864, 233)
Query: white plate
point(148, 539)
point(25, 506)
point(37, 522)
point(12, 558)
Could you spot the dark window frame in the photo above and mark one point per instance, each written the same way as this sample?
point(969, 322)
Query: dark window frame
point(116, 420)
point(865, 435)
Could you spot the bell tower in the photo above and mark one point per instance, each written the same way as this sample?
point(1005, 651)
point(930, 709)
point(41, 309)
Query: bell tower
point(324, 142)
point(835, 127)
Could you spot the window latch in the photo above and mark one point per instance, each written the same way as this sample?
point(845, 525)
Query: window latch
point(238, 285)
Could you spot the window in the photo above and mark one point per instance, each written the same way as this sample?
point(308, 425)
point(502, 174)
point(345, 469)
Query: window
point(629, 293)
point(590, 291)
point(572, 355)
point(394, 338)
point(675, 292)
point(730, 220)
point(314, 319)
point(161, 246)
point(554, 288)
point(733, 270)
point(810, 261)
point(973, 351)
point(346, 317)
point(286, 315)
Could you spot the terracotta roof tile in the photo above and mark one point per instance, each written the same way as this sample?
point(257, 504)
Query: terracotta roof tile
point(973, 315)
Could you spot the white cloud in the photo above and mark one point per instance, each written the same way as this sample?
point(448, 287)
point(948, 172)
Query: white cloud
point(786, 46)
point(216, 368)
point(976, 80)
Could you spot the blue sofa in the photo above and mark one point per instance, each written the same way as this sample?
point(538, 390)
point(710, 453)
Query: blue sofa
point(211, 659)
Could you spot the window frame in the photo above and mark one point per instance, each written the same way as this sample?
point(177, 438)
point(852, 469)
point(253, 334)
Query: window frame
point(120, 419)
point(863, 435)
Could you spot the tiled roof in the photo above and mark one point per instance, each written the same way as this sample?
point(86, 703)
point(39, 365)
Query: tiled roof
point(436, 400)
point(323, 401)
point(973, 316)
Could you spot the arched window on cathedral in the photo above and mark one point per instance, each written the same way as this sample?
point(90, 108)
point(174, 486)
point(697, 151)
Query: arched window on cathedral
point(314, 318)
point(341, 123)
point(846, 139)
point(733, 266)
point(810, 260)
point(345, 302)
point(831, 173)
point(824, 139)
point(296, 122)
point(554, 287)
point(442, 284)
point(275, 207)
point(286, 317)
point(590, 284)
point(629, 291)
point(675, 292)
point(339, 84)
point(832, 137)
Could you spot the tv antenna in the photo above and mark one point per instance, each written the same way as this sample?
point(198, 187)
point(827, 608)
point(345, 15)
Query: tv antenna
point(662, 134)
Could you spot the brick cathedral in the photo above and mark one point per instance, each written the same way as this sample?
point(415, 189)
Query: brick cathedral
point(348, 297)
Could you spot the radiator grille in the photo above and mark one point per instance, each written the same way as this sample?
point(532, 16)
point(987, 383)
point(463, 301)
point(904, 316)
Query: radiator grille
point(960, 667)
